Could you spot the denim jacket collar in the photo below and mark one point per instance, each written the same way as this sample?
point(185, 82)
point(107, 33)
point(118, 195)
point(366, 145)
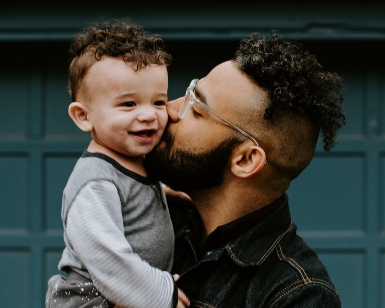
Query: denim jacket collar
point(254, 246)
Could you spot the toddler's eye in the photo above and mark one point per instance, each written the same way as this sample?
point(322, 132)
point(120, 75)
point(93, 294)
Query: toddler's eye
point(160, 103)
point(128, 104)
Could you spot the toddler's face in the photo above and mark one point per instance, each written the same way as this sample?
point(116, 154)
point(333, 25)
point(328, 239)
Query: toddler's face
point(127, 108)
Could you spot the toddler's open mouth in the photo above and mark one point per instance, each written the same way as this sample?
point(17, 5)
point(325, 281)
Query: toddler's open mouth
point(144, 133)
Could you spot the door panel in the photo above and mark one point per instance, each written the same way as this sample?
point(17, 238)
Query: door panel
point(337, 203)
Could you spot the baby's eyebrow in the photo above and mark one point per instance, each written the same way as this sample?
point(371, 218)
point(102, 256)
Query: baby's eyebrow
point(126, 95)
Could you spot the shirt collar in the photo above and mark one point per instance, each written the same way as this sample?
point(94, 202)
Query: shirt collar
point(256, 244)
point(224, 234)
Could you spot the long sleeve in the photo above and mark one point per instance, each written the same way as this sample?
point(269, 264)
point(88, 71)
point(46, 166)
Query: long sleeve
point(94, 227)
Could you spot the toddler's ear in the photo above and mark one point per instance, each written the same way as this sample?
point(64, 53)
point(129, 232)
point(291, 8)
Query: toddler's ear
point(79, 114)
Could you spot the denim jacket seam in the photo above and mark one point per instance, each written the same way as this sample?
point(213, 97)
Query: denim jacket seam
point(295, 285)
point(265, 255)
point(293, 263)
point(201, 304)
point(180, 232)
point(276, 242)
point(234, 257)
point(182, 270)
point(305, 278)
point(285, 291)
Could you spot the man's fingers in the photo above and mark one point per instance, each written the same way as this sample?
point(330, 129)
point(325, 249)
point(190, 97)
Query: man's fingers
point(176, 195)
point(176, 277)
point(182, 298)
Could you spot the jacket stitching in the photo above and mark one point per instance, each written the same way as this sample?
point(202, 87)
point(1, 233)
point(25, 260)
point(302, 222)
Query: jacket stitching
point(182, 271)
point(293, 263)
point(202, 304)
point(275, 243)
point(283, 293)
point(233, 256)
point(305, 280)
point(297, 285)
point(266, 253)
point(187, 231)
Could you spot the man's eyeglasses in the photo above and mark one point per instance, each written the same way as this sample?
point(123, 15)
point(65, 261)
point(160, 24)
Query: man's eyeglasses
point(190, 99)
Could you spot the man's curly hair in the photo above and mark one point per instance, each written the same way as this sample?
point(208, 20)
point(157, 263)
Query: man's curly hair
point(295, 82)
point(117, 39)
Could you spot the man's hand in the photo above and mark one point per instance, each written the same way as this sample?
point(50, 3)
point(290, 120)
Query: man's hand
point(183, 300)
point(177, 196)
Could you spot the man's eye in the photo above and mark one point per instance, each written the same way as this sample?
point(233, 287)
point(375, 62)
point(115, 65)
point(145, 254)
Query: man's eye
point(195, 113)
point(128, 104)
point(160, 103)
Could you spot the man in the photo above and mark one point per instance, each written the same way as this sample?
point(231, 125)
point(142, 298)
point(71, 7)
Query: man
point(234, 143)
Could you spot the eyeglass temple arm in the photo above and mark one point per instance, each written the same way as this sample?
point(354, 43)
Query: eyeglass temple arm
point(229, 123)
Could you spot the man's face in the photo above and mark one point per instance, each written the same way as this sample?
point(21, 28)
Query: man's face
point(194, 152)
point(188, 171)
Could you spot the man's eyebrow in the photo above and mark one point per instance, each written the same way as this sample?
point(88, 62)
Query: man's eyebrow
point(202, 98)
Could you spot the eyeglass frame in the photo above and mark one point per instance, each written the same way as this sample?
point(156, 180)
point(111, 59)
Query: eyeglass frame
point(193, 100)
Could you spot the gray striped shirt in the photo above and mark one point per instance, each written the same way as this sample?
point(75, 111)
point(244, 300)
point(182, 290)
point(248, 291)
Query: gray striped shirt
point(118, 232)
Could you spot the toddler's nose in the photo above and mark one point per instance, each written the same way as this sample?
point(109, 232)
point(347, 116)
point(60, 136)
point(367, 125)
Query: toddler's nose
point(147, 114)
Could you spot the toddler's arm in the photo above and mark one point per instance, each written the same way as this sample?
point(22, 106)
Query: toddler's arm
point(94, 226)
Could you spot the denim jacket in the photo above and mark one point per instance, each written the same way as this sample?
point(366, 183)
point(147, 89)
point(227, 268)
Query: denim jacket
point(269, 265)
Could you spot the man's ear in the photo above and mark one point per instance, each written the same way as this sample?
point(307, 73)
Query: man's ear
point(79, 114)
point(247, 160)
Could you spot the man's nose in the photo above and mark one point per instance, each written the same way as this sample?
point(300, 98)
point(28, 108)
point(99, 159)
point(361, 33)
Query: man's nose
point(173, 109)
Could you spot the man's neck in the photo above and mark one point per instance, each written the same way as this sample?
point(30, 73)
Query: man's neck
point(221, 205)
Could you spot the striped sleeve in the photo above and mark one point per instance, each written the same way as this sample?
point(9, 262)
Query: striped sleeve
point(94, 227)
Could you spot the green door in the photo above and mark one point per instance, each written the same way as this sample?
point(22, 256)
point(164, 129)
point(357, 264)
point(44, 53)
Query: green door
point(337, 203)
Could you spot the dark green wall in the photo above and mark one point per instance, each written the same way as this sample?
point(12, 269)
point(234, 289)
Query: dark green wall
point(337, 203)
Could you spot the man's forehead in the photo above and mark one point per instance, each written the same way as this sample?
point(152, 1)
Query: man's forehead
point(227, 81)
point(220, 76)
point(224, 71)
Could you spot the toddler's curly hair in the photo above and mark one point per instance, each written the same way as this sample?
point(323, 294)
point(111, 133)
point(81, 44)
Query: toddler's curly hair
point(115, 38)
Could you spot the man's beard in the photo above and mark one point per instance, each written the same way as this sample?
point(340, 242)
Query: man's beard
point(187, 171)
